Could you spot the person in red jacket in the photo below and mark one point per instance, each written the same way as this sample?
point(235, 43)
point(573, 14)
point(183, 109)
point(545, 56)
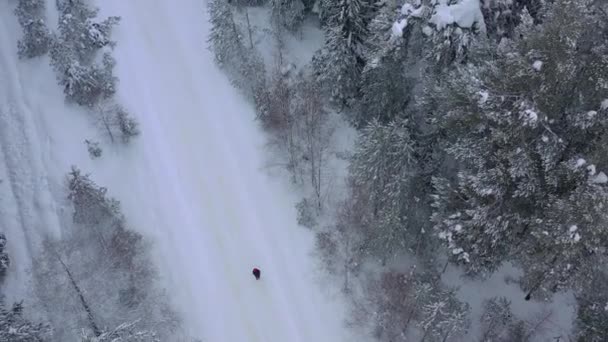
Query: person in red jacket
point(256, 273)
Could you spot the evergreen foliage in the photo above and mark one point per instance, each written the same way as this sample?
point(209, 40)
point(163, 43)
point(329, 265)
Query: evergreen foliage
point(36, 36)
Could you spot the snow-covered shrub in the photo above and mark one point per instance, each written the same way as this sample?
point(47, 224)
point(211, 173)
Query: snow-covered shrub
point(15, 327)
point(307, 215)
point(93, 148)
point(5, 261)
point(118, 123)
point(36, 35)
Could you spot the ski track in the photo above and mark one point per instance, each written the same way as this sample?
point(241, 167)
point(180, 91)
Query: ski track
point(26, 204)
point(213, 213)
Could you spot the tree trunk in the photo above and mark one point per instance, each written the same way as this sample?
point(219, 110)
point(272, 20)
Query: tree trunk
point(249, 28)
point(445, 267)
point(106, 124)
point(83, 301)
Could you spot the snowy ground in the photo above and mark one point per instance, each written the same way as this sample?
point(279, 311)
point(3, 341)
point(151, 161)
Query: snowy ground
point(193, 182)
point(212, 210)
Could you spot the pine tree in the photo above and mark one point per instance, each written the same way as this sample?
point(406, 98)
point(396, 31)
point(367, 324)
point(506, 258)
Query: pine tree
point(382, 166)
point(244, 65)
point(527, 132)
point(338, 65)
point(502, 17)
point(225, 38)
point(74, 51)
point(79, 30)
point(444, 316)
point(495, 319)
point(36, 35)
point(390, 179)
point(288, 13)
point(592, 315)
point(99, 273)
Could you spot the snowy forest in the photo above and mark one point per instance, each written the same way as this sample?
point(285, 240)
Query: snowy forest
point(479, 159)
point(448, 158)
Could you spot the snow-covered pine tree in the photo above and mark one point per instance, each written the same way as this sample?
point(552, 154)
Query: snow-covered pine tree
point(528, 132)
point(444, 317)
point(339, 63)
point(79, 30)
point(288, 13)
point(450, 36)
point(503, 16)
point(74, 51)
point(36, 35)
point(401, 300)
point(495, 319)
point(99, 273)
point(243, 64)
point(16, 328)
point(225, 38)
point(591, 324)
point(386, 170)
point(385, 88)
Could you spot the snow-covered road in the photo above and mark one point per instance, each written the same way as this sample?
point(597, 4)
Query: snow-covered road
point(197, 187)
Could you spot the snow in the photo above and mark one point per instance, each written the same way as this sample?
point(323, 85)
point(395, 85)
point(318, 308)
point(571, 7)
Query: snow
point(193, 182)
point(531, 115)
point(580, 162)
point(407, 9)
point(573, 228)
point(591, 169)
point(427, 30)
point(537, 65)
point(29, 98)
point(604, 104)
point(464, 14)
point(398, 26)
point(299, 46)
point(483, 97)
point(545, 138)
point(591, 114)
point(503, 283)
point(601, 178)
point(458, 228)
